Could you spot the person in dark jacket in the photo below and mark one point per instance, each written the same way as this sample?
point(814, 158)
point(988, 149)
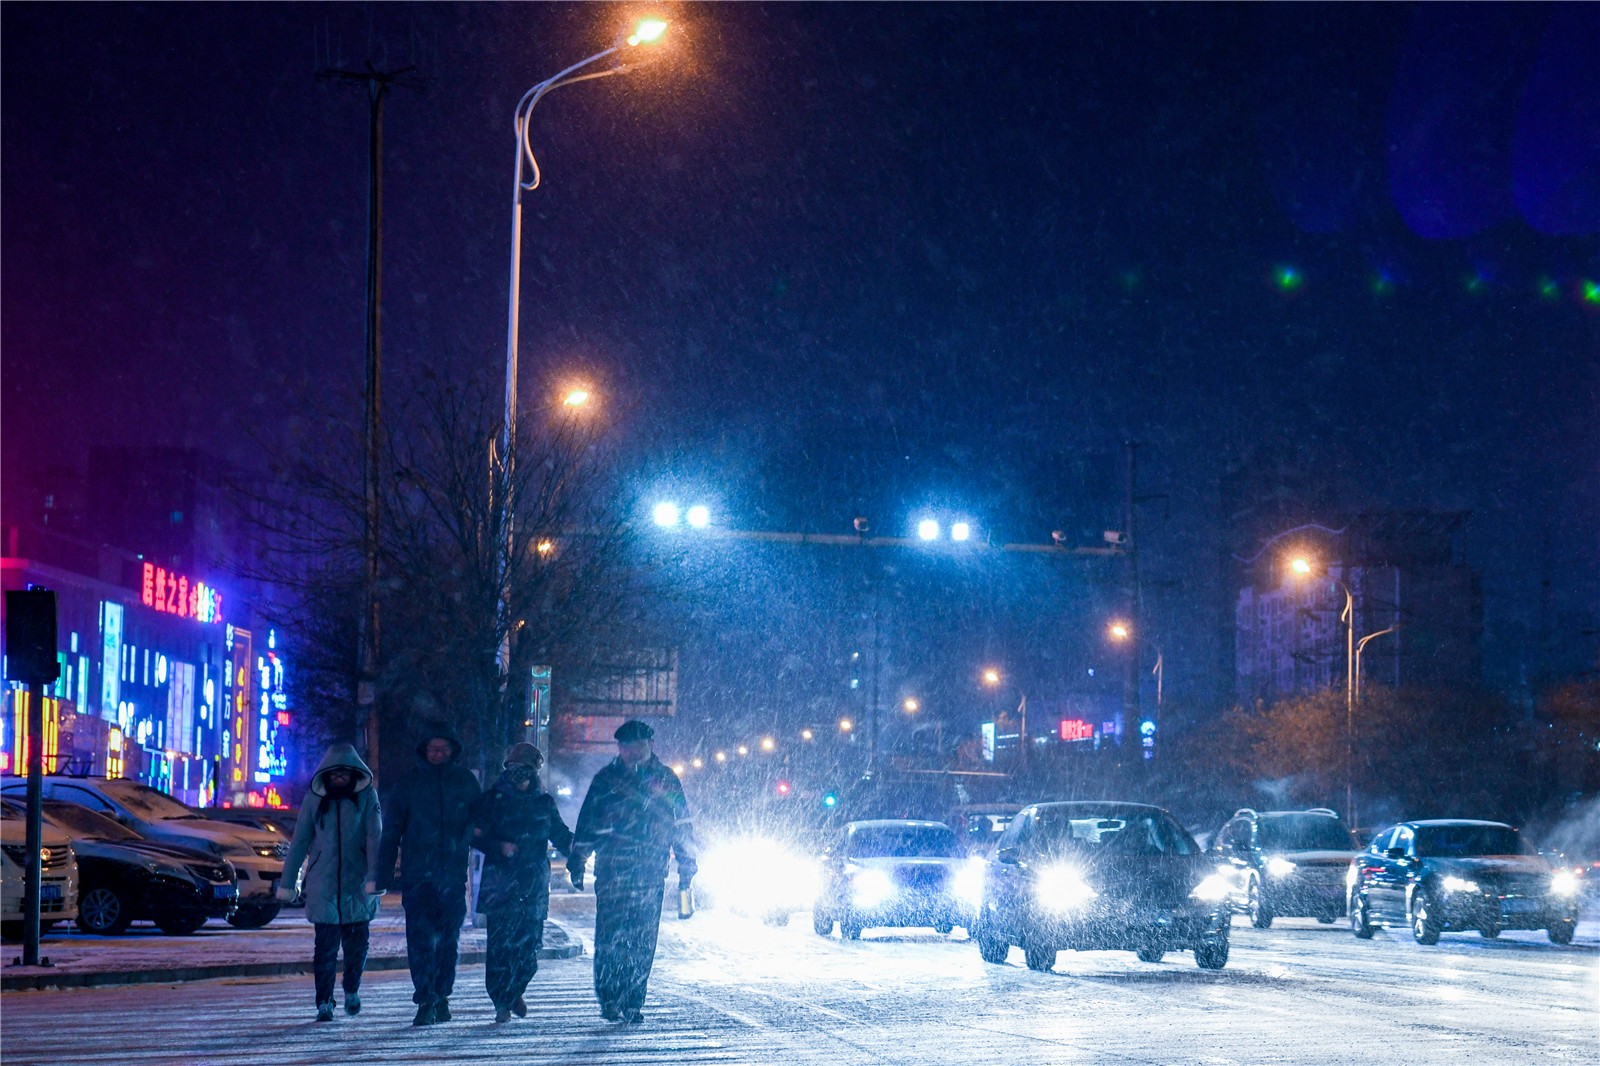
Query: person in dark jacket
point(633, 815)
point(429, 826)
point(336, 840)
point(514, 823)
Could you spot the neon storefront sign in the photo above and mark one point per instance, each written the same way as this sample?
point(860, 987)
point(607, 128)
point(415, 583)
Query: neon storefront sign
point(170, 592)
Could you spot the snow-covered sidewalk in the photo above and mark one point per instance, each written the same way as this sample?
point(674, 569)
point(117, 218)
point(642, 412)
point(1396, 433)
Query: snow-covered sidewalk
point(144, 954)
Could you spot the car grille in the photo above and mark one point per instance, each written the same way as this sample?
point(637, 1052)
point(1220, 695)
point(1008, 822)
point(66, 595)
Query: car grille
point(919, 880)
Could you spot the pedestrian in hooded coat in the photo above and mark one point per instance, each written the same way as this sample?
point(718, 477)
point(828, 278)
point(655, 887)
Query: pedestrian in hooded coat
point(336, 840)
point(514, 823)
point(632, 817)
point(428, 828)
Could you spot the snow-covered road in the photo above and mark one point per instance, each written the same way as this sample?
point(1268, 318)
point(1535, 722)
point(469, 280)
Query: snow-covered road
point(730, 990)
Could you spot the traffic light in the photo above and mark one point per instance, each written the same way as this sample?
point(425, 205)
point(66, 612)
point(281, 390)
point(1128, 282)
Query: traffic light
point(783, 788)
point(830, 799)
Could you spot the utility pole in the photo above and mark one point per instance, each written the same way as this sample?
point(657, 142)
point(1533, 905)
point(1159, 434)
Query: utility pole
point(377, 84)
point(1130, 551)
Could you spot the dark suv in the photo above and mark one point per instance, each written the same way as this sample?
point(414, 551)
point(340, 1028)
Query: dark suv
point(1448, 875)
point(1097, 876)
point(1285, 864)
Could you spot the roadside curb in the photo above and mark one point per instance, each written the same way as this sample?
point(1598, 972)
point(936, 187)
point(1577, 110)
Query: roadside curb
point(42, 978)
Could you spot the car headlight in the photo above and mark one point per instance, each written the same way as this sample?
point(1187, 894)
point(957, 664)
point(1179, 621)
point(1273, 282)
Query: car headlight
point(1458, 884)
point(1565, 883)
point(1280, 867)
point(1212, 889)
point(758, 875)
point(969, 882)
point(1062, 888)
point(267, 851)
point(870, 888)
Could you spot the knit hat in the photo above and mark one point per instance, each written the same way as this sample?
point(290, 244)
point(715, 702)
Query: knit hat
point(524, 754)
point(632, 730)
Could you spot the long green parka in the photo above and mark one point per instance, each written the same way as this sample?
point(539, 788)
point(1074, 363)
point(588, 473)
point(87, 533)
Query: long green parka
point(337, 840)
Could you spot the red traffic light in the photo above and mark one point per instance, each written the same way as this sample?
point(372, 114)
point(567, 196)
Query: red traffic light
point(783, 788)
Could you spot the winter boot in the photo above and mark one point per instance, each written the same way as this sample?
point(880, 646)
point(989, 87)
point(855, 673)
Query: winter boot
point(424, 1015)
point(501, 1015)
point(325, 1011)
point(441, 1010)
point(520, 1007)
point(352, 1003)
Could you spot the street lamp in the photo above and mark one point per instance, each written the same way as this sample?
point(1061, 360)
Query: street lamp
point(1121, 631)
point(1360, 647)
point(991, 678)
point(1300, 566)
point(646, 31)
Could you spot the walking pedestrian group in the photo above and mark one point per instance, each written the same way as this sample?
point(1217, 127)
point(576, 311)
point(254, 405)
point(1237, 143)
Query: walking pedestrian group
point(346, 854)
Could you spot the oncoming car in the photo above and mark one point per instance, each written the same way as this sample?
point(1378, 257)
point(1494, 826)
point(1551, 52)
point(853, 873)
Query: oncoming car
point(895, 872)
point(756, 876)
point(1285, 864)
point(1098, 876)
point(1454, 875)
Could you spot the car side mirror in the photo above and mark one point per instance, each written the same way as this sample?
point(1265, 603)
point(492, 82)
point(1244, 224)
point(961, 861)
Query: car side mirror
point(1013, 854)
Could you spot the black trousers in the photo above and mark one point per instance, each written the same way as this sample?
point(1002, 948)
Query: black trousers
point(627, 919)
point(514, 940)
point(325, 956)
point(434, 914)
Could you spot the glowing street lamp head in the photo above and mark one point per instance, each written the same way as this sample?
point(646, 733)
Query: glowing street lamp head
point(698, 763)
point(698, 516)
point(743, 750)
point(806, 734)
point(721, 756)
point(545, 547)
point(960, 531)
point(1300, 566)
point(666, 514)
point(845, 725)
point(1120, 631)
point(928, 529)
point(576, 397)
point(911, 705)
point(647, 31)
point(991, 676)
point(767, 744)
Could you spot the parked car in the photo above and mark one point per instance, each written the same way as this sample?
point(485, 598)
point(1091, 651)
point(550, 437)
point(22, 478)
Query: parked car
point(279, 820)
point(1454, 875)
point(257, 855)
point(895, 872)
point(1285, 864)
point(1098, 876)
point(123, 878)
point(58, 876)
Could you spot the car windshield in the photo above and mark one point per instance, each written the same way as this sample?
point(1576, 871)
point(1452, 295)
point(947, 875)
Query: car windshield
point(146, 802)
point(921, 842)
point(1303, 832)
point(1454, 841)
point(1131, 831)
point(78, 821)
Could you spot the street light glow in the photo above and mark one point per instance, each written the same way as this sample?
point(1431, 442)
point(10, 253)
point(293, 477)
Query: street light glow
point(911, 705)
point(845, 725)
point(677, 768)
point(1300, 565)
point(960, 531)
point(721, 756)
point(767, 744)
point(991, 676)
point(665, 514)
point(576, 397)
point(806, 734)
point(1120, 631)
point(698, 516)
point(743, 750)
point(928, 529)
point(648, 31)
point(545, 547)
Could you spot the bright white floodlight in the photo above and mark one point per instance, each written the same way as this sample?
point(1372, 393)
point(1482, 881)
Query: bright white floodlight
point(960, 531)
point(698, 516)
point(928, 529)
point(665, 514)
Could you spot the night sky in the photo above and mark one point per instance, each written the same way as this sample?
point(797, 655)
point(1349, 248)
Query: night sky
point(857, 259)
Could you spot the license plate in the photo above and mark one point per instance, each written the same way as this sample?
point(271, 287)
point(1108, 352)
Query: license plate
point(222, 891)
point(1518, 906)
point(49, 891)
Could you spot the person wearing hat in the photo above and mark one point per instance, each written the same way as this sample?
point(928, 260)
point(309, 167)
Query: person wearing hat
point(632, 818)
point(427, 826)
point(513, 824)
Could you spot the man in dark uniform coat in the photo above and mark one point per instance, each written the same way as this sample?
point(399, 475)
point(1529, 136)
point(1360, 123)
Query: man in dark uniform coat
point(427, 823)
point(633, 816)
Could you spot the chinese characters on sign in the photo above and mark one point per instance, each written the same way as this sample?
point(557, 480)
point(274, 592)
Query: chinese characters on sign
point(169, 592)
point(1076, 729)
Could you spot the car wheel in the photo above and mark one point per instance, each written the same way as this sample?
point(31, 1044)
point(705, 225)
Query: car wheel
point(1150, 954)
point(1260, 914)
point(181, 926)
point(1327, 919)
point(1038, 956)
point(103, 912)
point(943, 927)
point(821, 923)
point(1561, 932)
point(992, 948)
point(254, 916)
point(850, 928)
point(1211, 952)
point(1360, 918)
point(1426, 923)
